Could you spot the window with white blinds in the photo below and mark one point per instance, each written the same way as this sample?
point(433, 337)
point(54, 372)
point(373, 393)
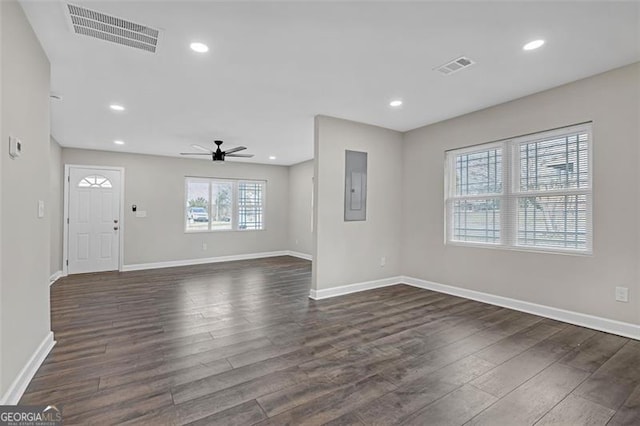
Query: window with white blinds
point(532, 192)
point(250, 209)
point(224, 204)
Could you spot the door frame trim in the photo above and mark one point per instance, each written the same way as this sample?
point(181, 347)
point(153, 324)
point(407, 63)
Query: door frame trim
point(65, 233)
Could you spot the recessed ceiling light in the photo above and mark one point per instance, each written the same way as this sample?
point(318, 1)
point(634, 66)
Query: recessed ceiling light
point(532, 45)
point(272, 157)
point(119, 142)
point(116, 107)
point(199, 47)
point(395, 103)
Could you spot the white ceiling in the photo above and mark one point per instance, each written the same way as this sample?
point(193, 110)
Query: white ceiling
point(273, 66)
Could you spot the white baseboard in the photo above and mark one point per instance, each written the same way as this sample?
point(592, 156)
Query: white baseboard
point(14, 393)
point(304, 256)
point(352, 288)
point(201, 261)
point(54, 277)
point(584, 320)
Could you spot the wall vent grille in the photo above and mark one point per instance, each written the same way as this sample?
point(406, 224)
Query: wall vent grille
point(455, 65)
point(110, 28)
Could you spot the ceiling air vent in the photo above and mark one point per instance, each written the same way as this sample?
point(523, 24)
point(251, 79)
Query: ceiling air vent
point(455, 65)
point(109, 28)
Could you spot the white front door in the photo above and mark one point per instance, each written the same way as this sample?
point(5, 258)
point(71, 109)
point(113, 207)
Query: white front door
point(94, 220)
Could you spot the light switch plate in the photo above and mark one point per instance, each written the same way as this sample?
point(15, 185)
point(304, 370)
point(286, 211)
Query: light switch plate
point(40, 209)
point(622, 294)
point(15, 147)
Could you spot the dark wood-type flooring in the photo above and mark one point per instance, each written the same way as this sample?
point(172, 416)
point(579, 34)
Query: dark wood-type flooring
point(240, 343)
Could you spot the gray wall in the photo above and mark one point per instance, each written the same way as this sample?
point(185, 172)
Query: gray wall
point(24, 310)
point(578, 283)
point(350, 252)
point(56, 177)
point(300, 198)
point(156, 184)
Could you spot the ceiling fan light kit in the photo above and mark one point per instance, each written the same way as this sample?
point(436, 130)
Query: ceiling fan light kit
point(219, 154)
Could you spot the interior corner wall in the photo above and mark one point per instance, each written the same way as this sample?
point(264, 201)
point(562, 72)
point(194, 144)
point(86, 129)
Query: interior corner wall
point(24, 310)
point(156, 185)
point(300, 207)
point(350, 252)
point(582, 284)
point(56, 177)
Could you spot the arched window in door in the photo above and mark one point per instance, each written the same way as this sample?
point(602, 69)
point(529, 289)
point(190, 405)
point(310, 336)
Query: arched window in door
point(95, 181)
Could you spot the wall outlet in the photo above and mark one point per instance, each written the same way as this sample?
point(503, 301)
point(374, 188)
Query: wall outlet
point(383, 261)
point(204, 246)
point(622, 294)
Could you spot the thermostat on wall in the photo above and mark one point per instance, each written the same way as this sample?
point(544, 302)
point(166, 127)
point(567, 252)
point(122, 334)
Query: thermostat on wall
point(15, 147)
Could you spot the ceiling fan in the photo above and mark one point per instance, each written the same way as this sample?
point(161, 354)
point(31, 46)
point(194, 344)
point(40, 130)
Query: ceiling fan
point(218, 154)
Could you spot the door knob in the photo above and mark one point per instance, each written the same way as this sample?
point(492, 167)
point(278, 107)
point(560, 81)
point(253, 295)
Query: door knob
point(115, 220)
point(115, 228)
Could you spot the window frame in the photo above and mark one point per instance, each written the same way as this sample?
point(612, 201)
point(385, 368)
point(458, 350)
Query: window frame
point(450, 197)
point(236, 203)
point(511, 191)
point(235, 215)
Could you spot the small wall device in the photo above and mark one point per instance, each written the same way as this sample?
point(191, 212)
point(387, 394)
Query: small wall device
point(15, 147)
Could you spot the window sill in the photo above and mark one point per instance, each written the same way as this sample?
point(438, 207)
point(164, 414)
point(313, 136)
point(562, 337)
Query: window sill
point(215, 231)
point(538, 250)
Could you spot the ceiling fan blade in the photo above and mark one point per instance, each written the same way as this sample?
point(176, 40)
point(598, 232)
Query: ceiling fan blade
point(239, 155)
point(195, 153)
point(236, 149)
point(202, 148)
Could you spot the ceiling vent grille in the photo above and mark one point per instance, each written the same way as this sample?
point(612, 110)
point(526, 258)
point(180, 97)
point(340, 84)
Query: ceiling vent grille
point(455, 65)
point(109, 28)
